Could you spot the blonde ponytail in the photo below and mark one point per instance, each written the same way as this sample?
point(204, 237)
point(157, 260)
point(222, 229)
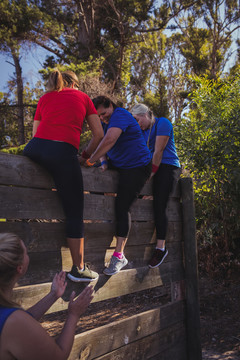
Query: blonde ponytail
point(55, 81)
point(11, 255)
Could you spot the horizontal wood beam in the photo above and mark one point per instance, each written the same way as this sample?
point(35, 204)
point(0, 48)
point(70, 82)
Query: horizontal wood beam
point(44, 265)
point(166, 321)
point(125, 282)
point(18, 170)
point(27, 203)
point(49, 236)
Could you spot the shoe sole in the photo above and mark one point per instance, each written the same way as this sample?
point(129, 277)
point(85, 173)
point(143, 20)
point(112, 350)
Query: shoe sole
point(75, 279)
point(116, 272)
point(153, 267)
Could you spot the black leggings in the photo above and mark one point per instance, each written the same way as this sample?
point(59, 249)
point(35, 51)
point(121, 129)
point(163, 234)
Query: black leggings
point(130, 183)
point(60, 159)
point(163, 182)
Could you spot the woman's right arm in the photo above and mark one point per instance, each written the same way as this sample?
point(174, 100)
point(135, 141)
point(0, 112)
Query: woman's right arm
point(25, 339)
point(35, 126)
point(97, 132)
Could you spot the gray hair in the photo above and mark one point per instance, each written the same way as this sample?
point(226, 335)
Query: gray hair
point(141, 109)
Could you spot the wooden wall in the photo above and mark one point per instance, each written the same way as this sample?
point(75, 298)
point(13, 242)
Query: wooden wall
point(30, 207)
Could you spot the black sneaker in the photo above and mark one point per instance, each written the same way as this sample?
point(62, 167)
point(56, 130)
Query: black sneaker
point(85, 275)
point(157, 258)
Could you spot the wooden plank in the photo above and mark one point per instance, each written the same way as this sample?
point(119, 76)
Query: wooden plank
point(49, 236)
point(175, 352)
point(26, 203)
point(20, 171)
point(20, 203)
point(38, 236)
point(116, 335)
point(125, 282)
point(191, 269)
point(143, 349)
point(44, 265)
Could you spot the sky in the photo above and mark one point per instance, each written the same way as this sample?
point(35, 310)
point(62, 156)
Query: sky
point(31, 62)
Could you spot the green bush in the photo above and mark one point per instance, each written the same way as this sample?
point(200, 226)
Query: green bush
point(208, 141)
point(17, 150)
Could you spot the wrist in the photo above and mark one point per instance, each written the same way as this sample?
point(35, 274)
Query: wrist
point(73, 317)
point(85, 155)
point(104, 162)
point(154, 168)
point(53, 295)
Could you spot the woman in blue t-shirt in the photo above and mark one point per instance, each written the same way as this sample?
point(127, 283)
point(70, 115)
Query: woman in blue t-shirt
point(158, 134)
point(127, 152)
point(21, 335)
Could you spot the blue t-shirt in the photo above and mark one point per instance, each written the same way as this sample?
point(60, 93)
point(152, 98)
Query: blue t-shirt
point(130, 149)
point(5, 312)
point(163, 127)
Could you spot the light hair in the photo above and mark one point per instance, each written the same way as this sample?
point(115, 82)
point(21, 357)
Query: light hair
point(141, 109)
point(55, 81)
point(70, 78)
point(11, 256)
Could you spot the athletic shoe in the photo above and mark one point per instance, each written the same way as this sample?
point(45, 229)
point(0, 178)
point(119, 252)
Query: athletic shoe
point(84, 275)
point(157, 258)
point(115, 265)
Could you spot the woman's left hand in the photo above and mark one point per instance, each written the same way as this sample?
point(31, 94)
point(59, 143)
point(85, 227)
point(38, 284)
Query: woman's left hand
point(59, 284)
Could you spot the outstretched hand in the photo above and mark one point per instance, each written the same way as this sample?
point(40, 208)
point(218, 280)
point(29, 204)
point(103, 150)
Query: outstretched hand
point(59, 284)
point(78, 306)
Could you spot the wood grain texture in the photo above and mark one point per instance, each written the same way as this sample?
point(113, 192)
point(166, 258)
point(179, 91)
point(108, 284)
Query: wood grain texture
point(44, 265)
point(191, 271)
point(50, 236)
point(18, 170)
point(127, 281)
point(150, 346)
point(115, 336)
point(27, 203)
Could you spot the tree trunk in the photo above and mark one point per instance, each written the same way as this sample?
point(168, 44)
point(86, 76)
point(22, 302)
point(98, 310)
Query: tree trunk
point(20, 111)
point(86, 27)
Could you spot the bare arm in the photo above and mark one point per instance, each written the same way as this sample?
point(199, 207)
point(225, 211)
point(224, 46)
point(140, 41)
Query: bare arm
point(160, 144)
point(97, 132)
point(57, 290)
point(35, 126)
point(25, 339)
point(107, 143)
point(76, 308)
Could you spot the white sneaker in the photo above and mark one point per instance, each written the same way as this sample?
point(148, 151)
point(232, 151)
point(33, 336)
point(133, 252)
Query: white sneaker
point(115, 265)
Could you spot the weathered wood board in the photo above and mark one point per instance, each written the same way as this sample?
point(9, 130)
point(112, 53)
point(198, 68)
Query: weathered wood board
point(133, 338)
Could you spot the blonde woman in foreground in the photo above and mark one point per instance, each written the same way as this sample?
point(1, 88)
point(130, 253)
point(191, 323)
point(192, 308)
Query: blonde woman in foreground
point(21, 336)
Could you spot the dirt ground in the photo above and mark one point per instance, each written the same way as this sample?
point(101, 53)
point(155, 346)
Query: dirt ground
point(219, 314)
point(220, 318)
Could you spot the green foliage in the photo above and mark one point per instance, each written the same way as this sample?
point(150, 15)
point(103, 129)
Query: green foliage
point(84, 140)
point(16, 150)
point(9, 113)
point(91, 67)
point(208, 141)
